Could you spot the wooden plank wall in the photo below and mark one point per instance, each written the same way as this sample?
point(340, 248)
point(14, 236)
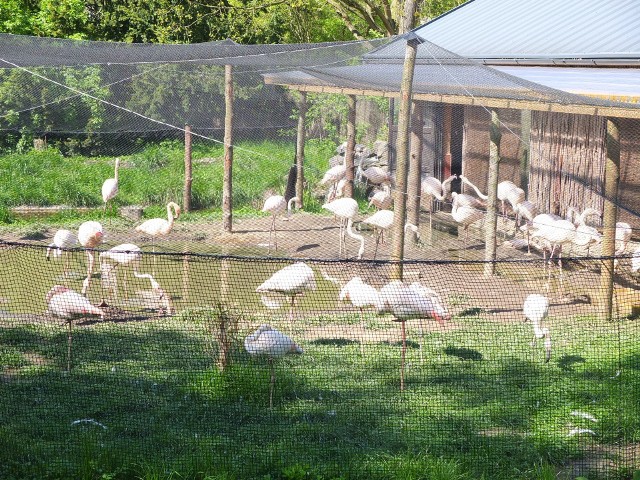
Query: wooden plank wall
point(630, 172)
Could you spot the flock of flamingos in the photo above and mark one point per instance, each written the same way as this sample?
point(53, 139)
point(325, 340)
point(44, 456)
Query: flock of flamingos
point(402, 300)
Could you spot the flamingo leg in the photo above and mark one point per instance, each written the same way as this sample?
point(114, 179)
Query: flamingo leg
point(87, 281)
point(375, 251)
point(69, 340)
point(364, 331)
point(403, 354)
point(272, 382)
point(421, 341)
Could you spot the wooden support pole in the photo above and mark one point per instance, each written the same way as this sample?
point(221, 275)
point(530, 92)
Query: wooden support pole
point(402, 149)
point(523, 152)
point(414, 189)
point(188, 177)
point(447, 120)
point(491, 217)
point(227, 186)
point(300, 141)
point(351, 145)
point(610, 217)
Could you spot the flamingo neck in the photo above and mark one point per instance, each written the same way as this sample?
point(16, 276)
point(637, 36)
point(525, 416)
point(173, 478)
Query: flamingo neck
point(477, 190)
point(115, 175)
point(356, 236)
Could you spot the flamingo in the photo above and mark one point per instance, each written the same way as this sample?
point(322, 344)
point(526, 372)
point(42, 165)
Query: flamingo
point(290, 281)
point(268, 341)
point(361, 295)
point(110, 186)
point(463, 214)
point(635, 260)
point(124, 254)
point(67, 304)
point(159, 227)
point(90, 235)
point(528, 210)
point(623, 235)
point(382, 199)
point(276, 205)
point(585, 235)
point(63, 239)
point(346, 209)
point(408, 302)
point(336, 190)
point(376, 175)
point(382, 221)
point(332, 177)
point(434, 189)
point(507, 191)
point(536, 309)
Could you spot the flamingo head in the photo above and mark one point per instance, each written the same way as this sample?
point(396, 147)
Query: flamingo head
point(440, 314)
point(295, 348)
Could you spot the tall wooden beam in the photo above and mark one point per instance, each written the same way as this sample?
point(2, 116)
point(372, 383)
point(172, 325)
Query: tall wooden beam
point(188, 176)
point(491, 217)
point(300, 141)
point(402, 149)
point(524, 153)
point(414, 190)
point(610, 217)
point(351, 145)
point(447, 119)
point(227, 185)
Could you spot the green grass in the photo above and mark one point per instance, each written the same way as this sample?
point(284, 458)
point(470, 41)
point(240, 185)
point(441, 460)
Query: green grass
point(483, 405)
point(153, 177)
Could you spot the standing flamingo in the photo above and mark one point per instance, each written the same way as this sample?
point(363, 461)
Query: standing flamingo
point(346, 209)
point(361, 295)
point(290, 281)
point(382, 221)
point(585, 236)
point(67, 304)
point(110, 186)
point(408, 302)
point(376, 175)
point(159, 227)
point(528, 210)
point(435, 190)
point(268, 341)
point(382, 199)
point(536, 309)
point(275, 205)
point(90, 235)
point(465, 215)
point(507, 191)
point(126, 254)
point(63, 239)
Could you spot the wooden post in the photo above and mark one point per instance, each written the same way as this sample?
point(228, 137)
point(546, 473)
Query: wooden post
point(351, 145)
point(447, 119)
point(414, 189)
point(400, 194)
point(300, 141)
point(491, 218)
point(188, 177)
point(227, 187)
point(610, 217)
point(523, 154)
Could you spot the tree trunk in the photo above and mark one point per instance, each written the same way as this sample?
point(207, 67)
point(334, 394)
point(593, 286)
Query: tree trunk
point(414, 189)
point(409, 17)
point(400, 194)
point(300, 141)
point(351, 145)
point(188, 178)
point(227, 187)
point(610, 217)
point(491, 219)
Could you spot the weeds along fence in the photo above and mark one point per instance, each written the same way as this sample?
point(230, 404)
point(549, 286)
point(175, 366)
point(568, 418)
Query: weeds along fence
point(168, 369)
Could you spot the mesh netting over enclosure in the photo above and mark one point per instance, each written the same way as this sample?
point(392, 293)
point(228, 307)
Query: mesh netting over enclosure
point(199, 269)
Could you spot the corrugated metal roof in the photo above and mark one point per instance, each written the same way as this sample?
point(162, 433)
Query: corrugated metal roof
point(564, 31)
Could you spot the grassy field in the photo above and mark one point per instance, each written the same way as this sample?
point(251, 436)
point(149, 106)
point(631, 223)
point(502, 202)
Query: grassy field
point(155, 176)
point(146, 400)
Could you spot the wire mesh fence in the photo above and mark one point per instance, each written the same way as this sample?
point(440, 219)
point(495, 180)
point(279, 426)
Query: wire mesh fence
point(240, 366)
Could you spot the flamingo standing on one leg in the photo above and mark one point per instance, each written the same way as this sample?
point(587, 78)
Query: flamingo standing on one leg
point(110, 186)
point(536, 309)
point(90, 235)
point(346, 209)
point(63, 239)
point(465, 215)
point(275, 205)
point(159, 227)
point(435, 190)
point(361, 295)
point(268, 341)
point(67, 304)
point(407, 302)
point(289, 281)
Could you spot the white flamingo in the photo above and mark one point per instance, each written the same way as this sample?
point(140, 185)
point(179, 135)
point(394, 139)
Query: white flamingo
point(435, 190)
point(527, 210)
point(536, 309)
point(361, 295)
point(507, 191)
point(271, 343)
point(623, 235)
point(585, 236)
point(409, 302)
point(382, 221)
point(276, 205)
point(382, 199)
point(69, 305)
point(376, 175)
point(332, 177)
point(159, 227)
point(125, 254)
point(290, 281)
point(90, 235)
point(110, 186)
point(62, 240)
point(346, 209)
point(463, 214)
